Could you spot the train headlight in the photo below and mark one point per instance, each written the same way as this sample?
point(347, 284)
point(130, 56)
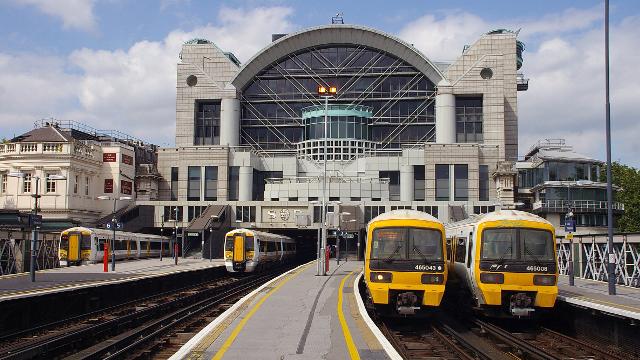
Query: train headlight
point(544, 280)
point(492, 278)
point(432, 278)
point(228, 255)
point(382, 277)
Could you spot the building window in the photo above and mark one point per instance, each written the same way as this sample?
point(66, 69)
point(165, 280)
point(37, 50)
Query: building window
point(86, 186)
point(317, 213)
point(234, 182)
point(211, 183)
point(194, 212)
point(193, 185)
point(245, 213)
point(207, 124)
point(418, 183)
point(394, 183)
point(442, 182)
point(432, 210)
point(174, 183)
point(371, 212)
point(461, 183)
point(26, 183)
point(75, 184)
point(259, 181)
point(4, 183)
point(483, 209)
point(469, 120)
point(483, 183)
point(401, 207)
point(173, 213)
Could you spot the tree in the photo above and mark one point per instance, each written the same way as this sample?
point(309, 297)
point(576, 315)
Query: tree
point(628, 178)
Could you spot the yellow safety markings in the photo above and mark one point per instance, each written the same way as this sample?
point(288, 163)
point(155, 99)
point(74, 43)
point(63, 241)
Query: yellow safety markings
point(351, 347)
point(234, 334)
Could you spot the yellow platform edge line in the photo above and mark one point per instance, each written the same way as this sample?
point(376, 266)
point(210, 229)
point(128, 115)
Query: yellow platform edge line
point(351, 347)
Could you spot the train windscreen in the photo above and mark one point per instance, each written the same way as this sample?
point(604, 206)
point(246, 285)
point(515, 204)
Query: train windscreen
point(406, 244)
point(517, 244)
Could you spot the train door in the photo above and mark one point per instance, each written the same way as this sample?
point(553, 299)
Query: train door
point(238, 252)
point(74, 247)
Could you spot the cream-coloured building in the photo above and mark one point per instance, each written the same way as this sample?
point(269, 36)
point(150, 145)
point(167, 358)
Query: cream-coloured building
point(404, 131)
point(70, 165)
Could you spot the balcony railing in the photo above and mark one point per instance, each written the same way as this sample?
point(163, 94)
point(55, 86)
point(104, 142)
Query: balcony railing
point(576, 205)
point(76, 148)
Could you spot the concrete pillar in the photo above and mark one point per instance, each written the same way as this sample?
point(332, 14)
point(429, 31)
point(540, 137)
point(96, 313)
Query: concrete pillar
point(445, 114)
point(230, 122)
point(245, 183)
point(406, 183)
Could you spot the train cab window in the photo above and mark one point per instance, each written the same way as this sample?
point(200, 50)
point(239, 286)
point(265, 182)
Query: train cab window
point(248, 243)
point(460, 249)
point(228, 245)
point(64, 241)
point(537, 244)
point(86, 242)
point(425, 244)
point(499, 244)
point(388, 243)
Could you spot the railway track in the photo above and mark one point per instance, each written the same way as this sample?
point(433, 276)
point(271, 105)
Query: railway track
point(143, 327)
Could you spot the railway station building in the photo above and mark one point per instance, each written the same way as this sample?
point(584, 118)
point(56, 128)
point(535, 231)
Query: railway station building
point(403, 131)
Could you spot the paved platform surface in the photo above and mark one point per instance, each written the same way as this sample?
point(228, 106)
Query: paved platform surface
point(298, 316)
point(74, 277)
point(595, 295)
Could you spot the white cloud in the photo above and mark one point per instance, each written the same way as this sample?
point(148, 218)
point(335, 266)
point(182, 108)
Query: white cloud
point(565, 63)
point(132, 90)
point(73, 13)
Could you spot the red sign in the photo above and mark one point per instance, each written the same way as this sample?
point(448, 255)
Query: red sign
point(126, 187)
point(127, 159)
point(108, 186)
point(109, 157)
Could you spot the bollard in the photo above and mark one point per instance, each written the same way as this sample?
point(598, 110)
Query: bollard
point(175, 253)
point(327, 253)
point(106, 257)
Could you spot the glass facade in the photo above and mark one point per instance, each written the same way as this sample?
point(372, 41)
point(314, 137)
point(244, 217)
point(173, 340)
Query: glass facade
point(418, 183)
point(211, 183)
point(394, 183)
point(259, 180)
point(174, 183)
point(461, 181)
point(234, 183)
point(442, 182)
point(397, 93)
point(469, 120)
point(193, 185)
point(483, 183)
point(207, 124)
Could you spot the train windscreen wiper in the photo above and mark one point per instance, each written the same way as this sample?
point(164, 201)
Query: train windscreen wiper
point(394, 253)
point(416, 250)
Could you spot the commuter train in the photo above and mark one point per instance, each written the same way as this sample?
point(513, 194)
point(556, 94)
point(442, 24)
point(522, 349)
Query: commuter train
point(249, 250)
point(503, 263)
point(80, 245)
point(405, 270)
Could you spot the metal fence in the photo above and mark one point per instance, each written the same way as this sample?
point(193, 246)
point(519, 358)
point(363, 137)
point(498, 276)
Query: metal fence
point(590, 255)
point(14, 260)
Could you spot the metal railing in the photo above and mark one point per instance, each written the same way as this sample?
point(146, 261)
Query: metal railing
point(590, 257)
point(576, 205)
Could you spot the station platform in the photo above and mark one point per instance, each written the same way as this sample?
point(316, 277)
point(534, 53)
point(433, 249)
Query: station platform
point(61, 279)
point(298, 315)
point(594, 295)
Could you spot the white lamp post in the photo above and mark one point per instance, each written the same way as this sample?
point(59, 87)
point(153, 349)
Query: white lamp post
point(326, 93)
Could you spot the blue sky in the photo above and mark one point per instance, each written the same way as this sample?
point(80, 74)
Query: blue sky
point(111, 63)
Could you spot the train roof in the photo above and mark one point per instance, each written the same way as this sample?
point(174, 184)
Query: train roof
point(260, 233)
point(100, 231)
point(501, 215)
point(404, 214)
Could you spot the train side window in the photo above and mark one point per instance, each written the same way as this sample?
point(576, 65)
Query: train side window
point(470, 250)
point(460, 249)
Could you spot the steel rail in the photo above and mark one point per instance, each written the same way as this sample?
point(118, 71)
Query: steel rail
point(508, 338)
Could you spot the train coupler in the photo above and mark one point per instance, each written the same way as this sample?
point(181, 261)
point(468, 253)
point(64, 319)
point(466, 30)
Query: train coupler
point(406, 303)
point(520, 305)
